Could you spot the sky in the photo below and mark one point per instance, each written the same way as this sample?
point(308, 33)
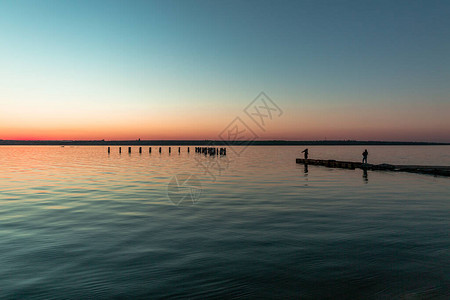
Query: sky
point(123, 70)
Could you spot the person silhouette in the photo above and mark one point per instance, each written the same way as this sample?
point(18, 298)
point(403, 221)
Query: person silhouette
point(365, 154)
point(306, 153)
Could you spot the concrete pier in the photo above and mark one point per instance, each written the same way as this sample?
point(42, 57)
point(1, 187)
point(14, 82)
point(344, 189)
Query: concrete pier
point(431, 170)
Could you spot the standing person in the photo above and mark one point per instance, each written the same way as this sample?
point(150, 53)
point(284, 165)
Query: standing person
point(365, 154)
point(306, 153)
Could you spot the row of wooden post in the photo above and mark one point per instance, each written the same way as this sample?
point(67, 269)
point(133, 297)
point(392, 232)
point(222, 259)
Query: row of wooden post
point(205, 150)
point(211, 150)
point(149, 149)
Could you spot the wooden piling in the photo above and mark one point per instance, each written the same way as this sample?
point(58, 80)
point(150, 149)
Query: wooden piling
point(109, 150)
point(129, 149)
point(149, 149)
point(140, 149)
point(120, 149)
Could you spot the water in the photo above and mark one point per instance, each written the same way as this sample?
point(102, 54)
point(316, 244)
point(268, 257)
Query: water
point(76, 222)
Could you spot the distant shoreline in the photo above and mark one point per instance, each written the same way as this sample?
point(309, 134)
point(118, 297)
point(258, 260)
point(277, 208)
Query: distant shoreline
point(213, 142)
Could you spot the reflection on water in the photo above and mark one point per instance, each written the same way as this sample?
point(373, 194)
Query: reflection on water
point(76, 222)
point(365, 177)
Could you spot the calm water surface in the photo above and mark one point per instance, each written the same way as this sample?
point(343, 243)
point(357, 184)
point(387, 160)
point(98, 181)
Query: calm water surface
point(76, 222)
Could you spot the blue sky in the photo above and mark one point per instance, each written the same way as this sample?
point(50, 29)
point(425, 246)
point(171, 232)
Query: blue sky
point(97, 62)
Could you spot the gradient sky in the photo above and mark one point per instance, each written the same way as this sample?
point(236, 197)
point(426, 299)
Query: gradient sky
point(365, 70)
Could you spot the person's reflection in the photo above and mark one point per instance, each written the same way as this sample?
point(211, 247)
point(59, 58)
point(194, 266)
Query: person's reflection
point(365, 178)
point(305, 173)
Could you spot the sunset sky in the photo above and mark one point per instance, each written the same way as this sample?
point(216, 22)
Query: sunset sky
point(362, 70)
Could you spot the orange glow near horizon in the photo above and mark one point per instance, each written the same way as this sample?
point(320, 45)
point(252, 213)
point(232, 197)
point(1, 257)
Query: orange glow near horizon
point(199, 133)
point(301, 121)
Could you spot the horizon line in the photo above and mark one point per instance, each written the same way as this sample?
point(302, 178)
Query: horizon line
point(221, 142)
